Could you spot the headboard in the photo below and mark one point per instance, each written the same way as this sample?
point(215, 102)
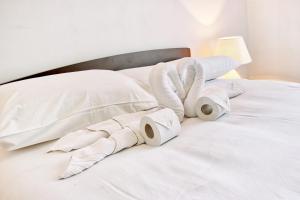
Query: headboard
point(123, 61)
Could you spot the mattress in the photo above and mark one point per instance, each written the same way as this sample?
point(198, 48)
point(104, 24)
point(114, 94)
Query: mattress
point(251, 153)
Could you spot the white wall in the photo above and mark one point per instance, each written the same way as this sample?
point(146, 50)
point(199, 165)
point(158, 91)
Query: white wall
point(37, 35)
point(273, 36)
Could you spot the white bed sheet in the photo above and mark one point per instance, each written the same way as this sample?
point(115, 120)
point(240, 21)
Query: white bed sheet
point(251, 153)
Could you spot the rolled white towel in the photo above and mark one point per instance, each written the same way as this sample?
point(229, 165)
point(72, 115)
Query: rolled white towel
point(159, 127)
point(212, 104)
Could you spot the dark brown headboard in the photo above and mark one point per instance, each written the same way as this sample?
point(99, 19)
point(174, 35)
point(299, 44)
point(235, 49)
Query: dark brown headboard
point(123, 61)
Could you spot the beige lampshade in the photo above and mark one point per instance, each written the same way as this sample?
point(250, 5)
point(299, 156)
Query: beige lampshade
point(233, 47)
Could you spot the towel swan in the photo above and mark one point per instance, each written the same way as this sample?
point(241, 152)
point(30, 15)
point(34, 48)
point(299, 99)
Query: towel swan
point(177, 85)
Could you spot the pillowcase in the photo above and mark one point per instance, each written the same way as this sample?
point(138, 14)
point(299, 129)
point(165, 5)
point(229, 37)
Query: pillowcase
point(214, 67)
point(46, 108)
point(217, 66)
point(140, 75)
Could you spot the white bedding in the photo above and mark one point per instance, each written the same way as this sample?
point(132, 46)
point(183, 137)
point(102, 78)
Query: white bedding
point(251, 153)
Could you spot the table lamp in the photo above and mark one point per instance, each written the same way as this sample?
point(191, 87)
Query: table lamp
point(234, 47)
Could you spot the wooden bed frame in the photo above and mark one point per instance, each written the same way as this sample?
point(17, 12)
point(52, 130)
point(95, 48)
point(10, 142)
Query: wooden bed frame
point(118, 62)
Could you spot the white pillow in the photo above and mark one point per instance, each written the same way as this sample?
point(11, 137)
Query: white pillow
point(217, 66)
point(140, 75)
point(214, 67)
point(46, 108)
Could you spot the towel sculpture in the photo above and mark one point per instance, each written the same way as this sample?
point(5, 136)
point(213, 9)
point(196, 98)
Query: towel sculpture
point(179, 87)
point(179, 84)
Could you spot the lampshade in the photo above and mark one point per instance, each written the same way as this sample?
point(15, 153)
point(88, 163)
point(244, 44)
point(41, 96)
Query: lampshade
point(233, 47)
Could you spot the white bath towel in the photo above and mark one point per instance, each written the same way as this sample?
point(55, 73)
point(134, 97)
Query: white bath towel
point(77, 140)
point(88, 156)
point(127, 137)
point(92, 133)
point(85, 158)
point(81, 138)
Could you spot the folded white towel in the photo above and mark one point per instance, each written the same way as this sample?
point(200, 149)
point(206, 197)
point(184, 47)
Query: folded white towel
point(85, 158)
point(88, 156)
point(77, 140)
point(92, 133)
point(82, 138)
point(108, 126)
point(212, 103)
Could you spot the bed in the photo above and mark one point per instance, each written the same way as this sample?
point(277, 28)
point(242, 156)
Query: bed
point(250, 153)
